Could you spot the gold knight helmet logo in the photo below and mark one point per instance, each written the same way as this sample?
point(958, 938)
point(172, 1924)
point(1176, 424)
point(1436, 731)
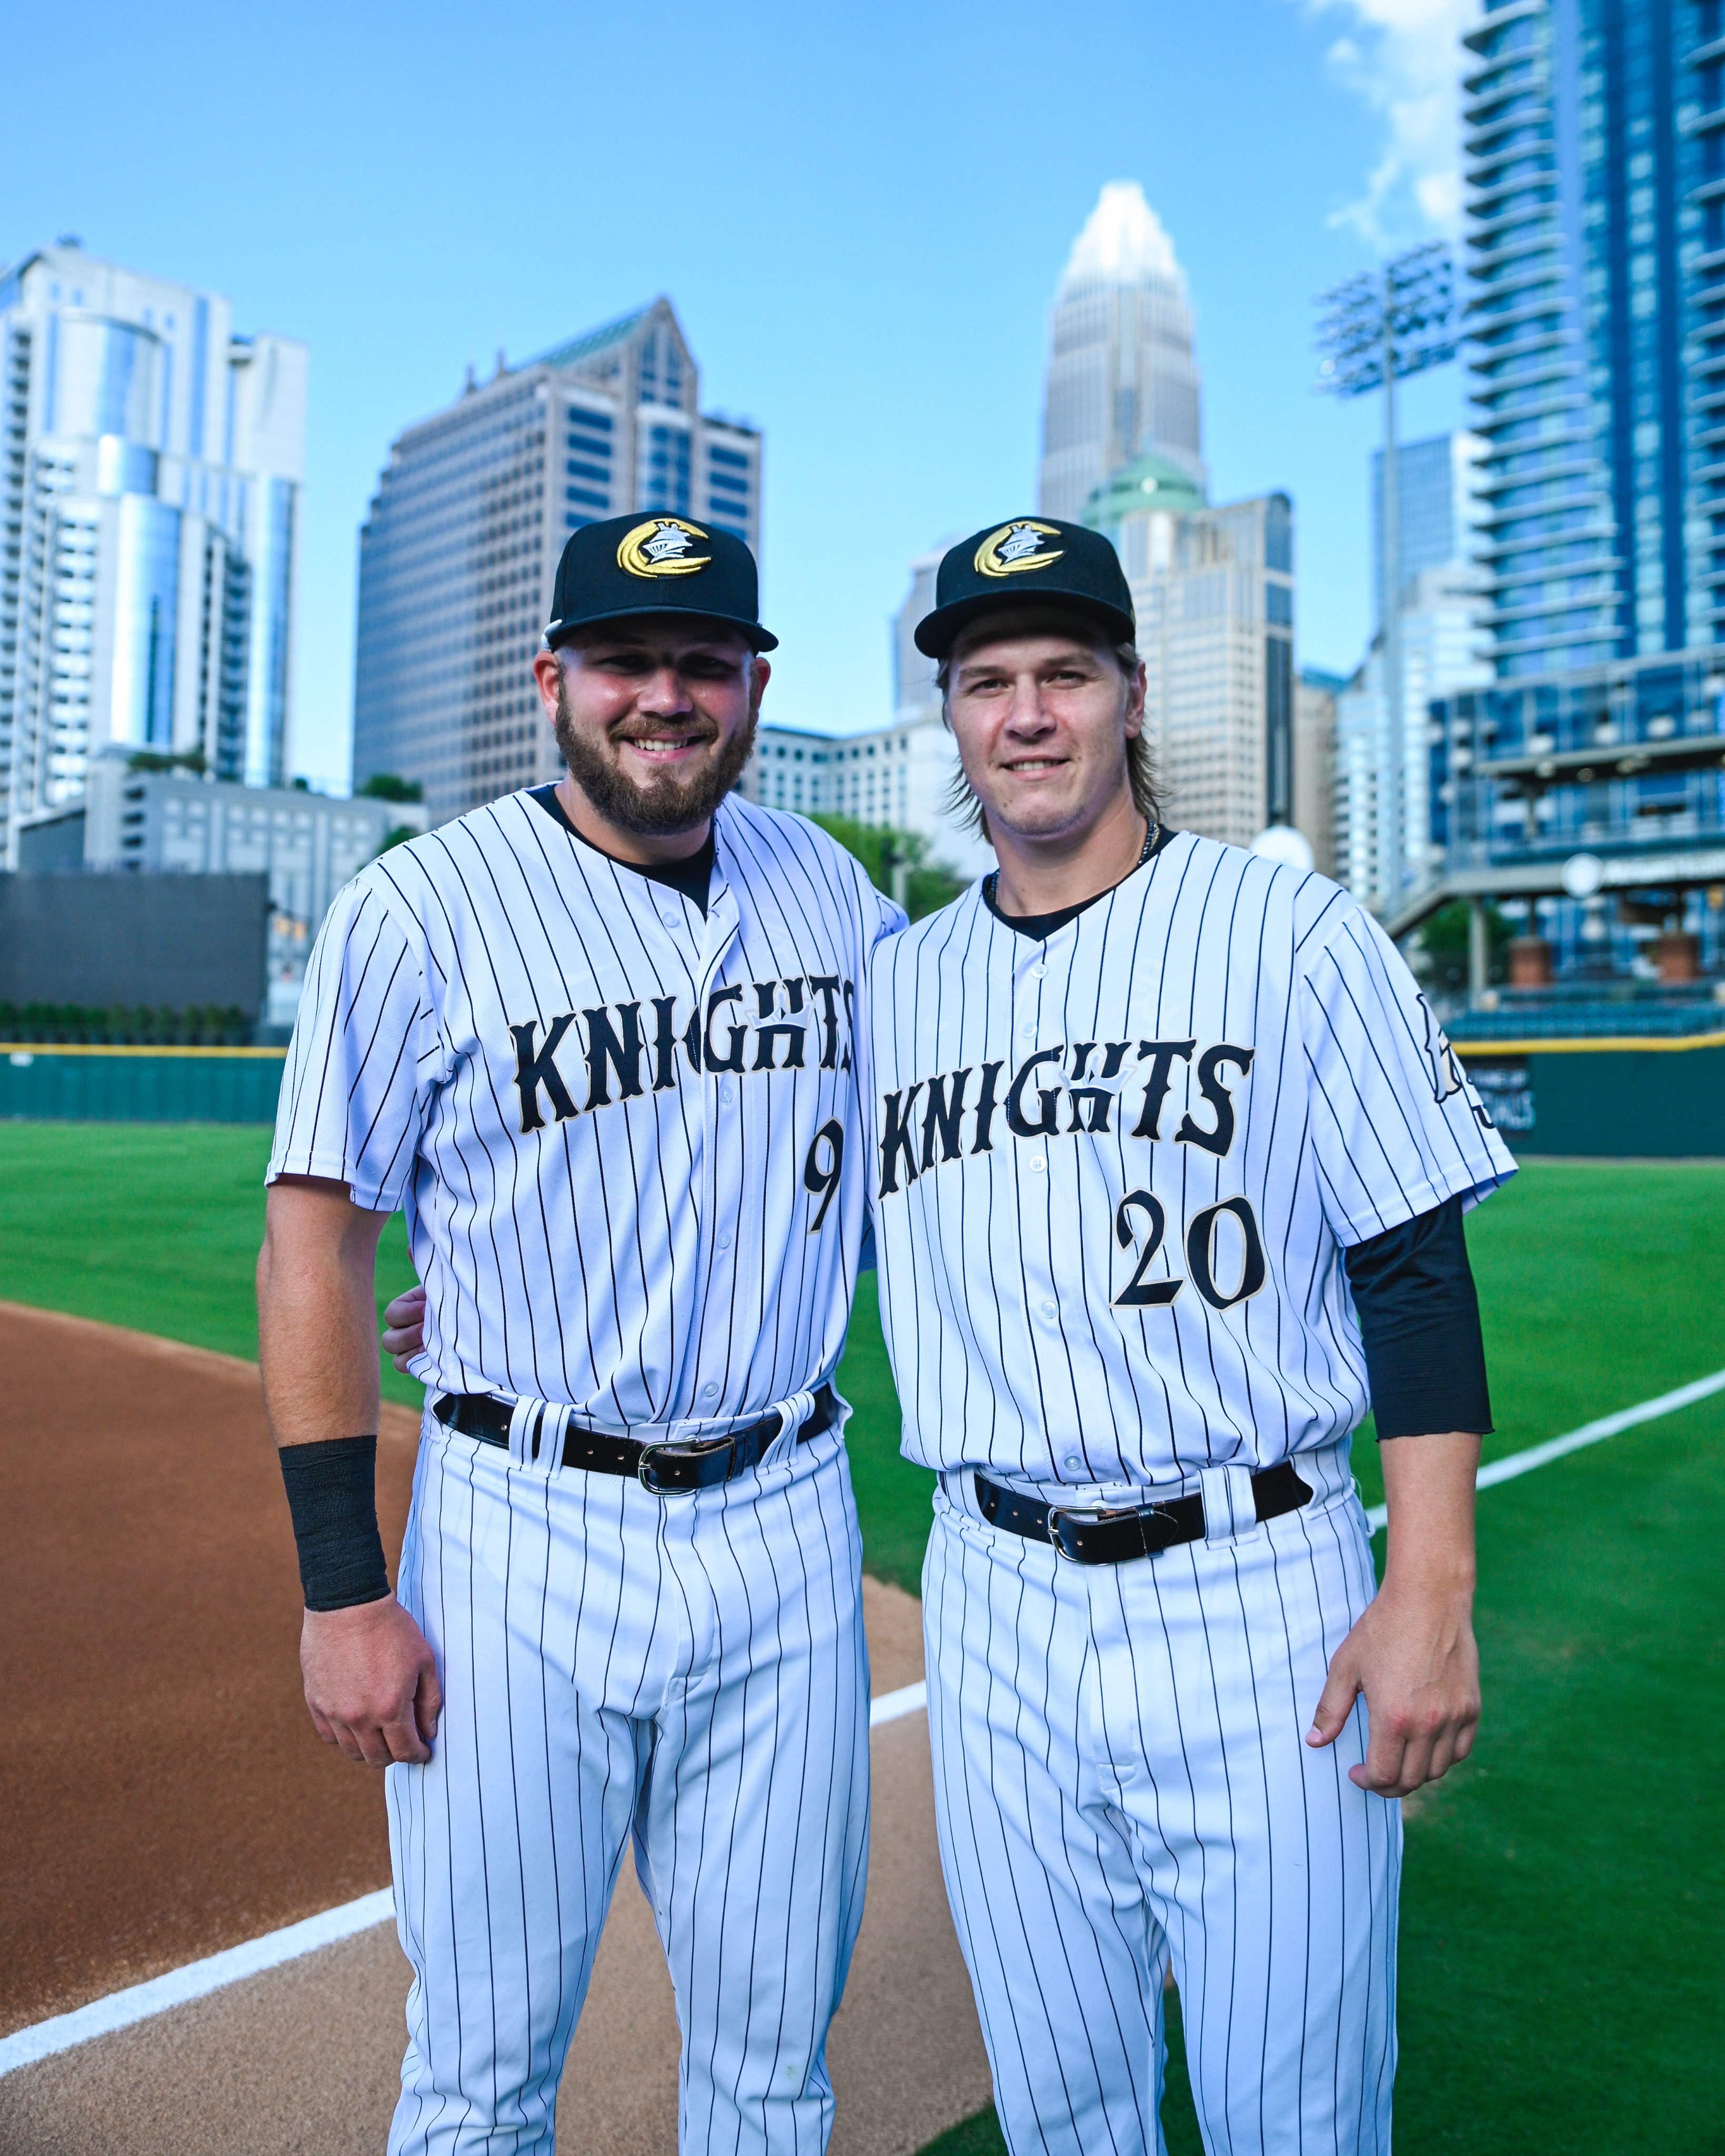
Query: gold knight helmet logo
point(660, 547)
point(1016, 548)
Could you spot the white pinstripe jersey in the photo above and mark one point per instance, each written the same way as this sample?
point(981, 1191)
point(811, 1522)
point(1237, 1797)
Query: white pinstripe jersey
point(1115, 1171)
point(627, 1139)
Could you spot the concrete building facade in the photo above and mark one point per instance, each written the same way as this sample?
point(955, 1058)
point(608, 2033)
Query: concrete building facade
point(460, 545)
point(1122, 381)
point(1214, 592)
point(151, 464)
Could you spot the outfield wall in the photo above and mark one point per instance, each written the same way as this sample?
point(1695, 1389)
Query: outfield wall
point(63, 1083)
point(1614, 1098)
point(1598, 1099)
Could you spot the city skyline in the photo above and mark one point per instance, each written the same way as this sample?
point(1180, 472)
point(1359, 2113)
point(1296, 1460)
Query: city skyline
point(149, 529)
point(898, 375)
point(471, 511)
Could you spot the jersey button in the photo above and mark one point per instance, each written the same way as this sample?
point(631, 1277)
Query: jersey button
point(1049, 1311)
point(725, 1092)
point(1036, 1163)
point(710, 1391)
point(1038, 973)
point(1073, 1463)
point(725, 1240)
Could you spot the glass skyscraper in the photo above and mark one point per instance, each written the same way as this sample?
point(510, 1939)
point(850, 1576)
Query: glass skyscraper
point(461, 544)
point(1594, 134)
point(1122, 379)
point(151, 463)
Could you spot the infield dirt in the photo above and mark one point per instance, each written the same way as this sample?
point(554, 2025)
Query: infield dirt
point(164, 1797)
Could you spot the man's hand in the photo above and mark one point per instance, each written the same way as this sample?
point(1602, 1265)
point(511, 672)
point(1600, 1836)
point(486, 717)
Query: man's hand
point(1413, 1653)
point(371, 1682)
point(404, 1327)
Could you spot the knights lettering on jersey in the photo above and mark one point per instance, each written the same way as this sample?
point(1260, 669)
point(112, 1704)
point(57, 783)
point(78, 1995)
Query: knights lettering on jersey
point(1061, 1090)
point(765, 1027)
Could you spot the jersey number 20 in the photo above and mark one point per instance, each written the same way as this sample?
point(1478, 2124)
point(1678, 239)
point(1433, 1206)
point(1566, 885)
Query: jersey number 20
point(1139, 1293)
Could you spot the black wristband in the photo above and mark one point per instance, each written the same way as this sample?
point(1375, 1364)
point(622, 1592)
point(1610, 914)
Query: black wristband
point(332, 1495)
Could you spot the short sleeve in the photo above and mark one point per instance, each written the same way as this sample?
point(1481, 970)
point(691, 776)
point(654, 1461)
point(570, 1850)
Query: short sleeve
point(351, 1101)
point(1396, 1127)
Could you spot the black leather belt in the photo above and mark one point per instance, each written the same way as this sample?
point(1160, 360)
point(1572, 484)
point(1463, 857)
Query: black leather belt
point(664, 1469)
point(1089, 1537)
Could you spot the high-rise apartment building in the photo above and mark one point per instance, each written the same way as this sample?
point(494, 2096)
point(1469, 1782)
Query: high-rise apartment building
point(1441, 650)
point(1595, 237)
point(459, 548)
point(1122, 381)
point(1214, 592)
point(151, 463)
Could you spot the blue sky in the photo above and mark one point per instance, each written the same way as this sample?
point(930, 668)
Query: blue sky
point(860, 213)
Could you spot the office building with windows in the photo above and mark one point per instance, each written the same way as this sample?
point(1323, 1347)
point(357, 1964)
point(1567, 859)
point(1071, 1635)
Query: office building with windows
point(1442, 640)
point(1121, 381)
point(1214, 592)
point(460, 545)
point(1595, 238)
point(150, 463)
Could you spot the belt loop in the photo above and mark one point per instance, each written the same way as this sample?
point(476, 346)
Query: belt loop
point(1230, 1511)
point(523, 1429)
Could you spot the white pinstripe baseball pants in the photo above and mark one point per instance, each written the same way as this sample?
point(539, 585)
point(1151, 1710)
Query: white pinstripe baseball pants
point(690, 1671)
point(1121, 1780)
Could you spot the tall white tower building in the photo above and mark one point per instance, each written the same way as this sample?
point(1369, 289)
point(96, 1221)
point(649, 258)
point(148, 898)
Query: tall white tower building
point(1122, 379)
point(151, 463)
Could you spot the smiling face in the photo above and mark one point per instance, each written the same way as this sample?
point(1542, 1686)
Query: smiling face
point(1042, 712)
point(654, 716)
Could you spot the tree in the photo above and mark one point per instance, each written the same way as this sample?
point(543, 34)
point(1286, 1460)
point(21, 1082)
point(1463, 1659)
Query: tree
point(1442, 957)
point(386, 786)
point(928, 885)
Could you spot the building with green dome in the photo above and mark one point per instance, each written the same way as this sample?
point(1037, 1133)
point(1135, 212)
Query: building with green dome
point(1214, 591)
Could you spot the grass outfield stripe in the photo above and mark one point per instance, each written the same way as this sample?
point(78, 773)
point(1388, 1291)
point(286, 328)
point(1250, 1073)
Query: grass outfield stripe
point(140, 2002)
point(1590, 1432)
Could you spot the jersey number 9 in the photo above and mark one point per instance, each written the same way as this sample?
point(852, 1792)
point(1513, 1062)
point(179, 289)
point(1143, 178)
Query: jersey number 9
point(822, 1183)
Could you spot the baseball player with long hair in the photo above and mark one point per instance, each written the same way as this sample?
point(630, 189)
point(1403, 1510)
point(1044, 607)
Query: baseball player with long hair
point(1169, 1166)
point(601, 1041)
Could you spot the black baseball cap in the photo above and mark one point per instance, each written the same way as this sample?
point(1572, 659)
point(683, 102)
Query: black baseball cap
point(1030, 557)
point(656, 564)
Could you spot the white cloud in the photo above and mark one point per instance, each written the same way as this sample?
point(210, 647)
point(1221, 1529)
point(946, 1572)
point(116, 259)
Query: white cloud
point(1404, 58)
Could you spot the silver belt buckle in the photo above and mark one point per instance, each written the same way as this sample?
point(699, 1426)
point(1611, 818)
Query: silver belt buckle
point(647, 1467)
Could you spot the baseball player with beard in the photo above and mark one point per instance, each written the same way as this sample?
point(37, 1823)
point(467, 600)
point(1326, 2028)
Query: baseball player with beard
point(602, 1041)
point(1169, 1169)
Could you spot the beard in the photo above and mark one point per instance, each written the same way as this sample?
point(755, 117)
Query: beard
point(665, 805)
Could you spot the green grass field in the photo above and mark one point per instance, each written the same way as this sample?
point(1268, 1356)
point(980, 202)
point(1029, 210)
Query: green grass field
point(1564, 1900)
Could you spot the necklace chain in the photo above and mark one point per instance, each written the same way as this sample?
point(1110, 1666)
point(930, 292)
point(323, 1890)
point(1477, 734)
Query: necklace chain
point(1151, 834)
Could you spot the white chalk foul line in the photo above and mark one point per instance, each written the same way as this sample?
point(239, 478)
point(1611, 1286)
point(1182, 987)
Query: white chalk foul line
point(139, 2002)
point(120, 2009)
point(1590, 1432)
point(890, 1705)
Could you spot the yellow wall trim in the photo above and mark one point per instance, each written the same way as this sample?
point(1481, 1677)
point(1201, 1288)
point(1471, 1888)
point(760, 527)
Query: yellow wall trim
point(1482, 1051)
point(109, 1048)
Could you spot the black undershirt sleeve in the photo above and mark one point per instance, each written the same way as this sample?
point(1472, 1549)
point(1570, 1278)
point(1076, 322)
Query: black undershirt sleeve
point(1419, 1319)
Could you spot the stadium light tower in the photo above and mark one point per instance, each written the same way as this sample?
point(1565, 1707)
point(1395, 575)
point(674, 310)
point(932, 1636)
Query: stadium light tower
point(1373, 331)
